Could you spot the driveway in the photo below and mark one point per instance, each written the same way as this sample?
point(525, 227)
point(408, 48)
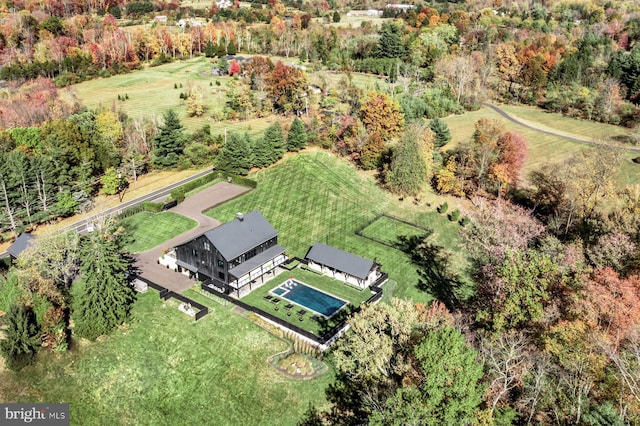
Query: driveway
point(192, 207)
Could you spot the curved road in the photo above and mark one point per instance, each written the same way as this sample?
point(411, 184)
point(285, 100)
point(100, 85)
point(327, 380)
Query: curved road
point(547, 132)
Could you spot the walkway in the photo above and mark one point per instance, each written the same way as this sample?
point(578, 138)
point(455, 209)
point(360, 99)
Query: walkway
point(192, 207)
point(548, 132)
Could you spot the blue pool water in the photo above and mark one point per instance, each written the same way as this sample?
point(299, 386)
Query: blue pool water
point(310, 298)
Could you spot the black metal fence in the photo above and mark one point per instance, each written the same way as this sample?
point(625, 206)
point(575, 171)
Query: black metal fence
point(327, 335)
point(166, 294)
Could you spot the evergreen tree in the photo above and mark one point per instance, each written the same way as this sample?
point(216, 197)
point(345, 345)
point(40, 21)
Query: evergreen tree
point(105, 297)
point(21, 338)
point(390, 42)
point(274, 142)
point(236, 155)
point(209, 49)
point(336, 16)
point(169, 142)
point(411, 161)
point(297, 136)
point(440, 131)
point(261, 153)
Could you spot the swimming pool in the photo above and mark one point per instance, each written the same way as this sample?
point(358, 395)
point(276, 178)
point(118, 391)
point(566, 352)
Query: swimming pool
point(308, 297)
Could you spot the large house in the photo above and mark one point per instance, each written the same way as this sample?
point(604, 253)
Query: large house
point(342, 265)
point(233, 256)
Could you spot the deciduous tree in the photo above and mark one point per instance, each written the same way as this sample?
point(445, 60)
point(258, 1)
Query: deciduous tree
point(380, 113)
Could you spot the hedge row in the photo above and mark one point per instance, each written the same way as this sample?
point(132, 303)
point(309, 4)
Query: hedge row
point(144, 207)
point(178, 193)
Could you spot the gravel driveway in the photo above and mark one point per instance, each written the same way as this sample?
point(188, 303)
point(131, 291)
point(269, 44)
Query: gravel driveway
point(192, 207)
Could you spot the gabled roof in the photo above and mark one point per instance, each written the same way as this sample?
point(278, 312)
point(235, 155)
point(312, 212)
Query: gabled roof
point(256, 261)
point(23, 242)
point(340, 260)
point(241, 235)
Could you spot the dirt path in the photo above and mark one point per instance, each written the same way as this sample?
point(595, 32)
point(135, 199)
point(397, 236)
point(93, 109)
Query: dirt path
point(192, 207)
point(588, 142)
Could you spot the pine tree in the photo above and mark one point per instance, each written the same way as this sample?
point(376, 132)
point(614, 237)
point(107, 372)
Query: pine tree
point(297, 136)
point(261, 153)
point(105, 298)
point(169, 142)
point(209, 49)
point(21, 338)
point(236, 155)
point(441, 132)
point(411, 162)
point(274, 141)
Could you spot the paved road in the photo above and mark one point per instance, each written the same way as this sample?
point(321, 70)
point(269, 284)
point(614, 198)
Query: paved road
point(547, 132)
point(81, 225)
point(192, 208)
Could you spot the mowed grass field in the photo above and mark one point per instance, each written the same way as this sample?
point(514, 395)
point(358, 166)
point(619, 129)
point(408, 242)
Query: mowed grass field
point(315, 196)
point(546, 149)
point(165, 369)
point(147, 230)
point(152, 92)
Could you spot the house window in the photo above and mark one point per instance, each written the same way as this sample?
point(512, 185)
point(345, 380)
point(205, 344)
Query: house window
point(194, 252)
point(250, 254)
point(221, 275)
point(220, 264)
point(207, 246)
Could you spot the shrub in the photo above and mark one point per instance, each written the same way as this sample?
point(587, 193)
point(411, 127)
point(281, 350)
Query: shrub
point(177, 194)
point(443, 208)
point(454, 215)
point(152, 207)
point(464, 221)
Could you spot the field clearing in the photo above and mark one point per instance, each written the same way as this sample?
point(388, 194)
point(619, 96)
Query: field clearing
point(152, 92)
point(315, 196)
point(543, 149)
point(353, 21)
point(568, 126)
point(165, 369)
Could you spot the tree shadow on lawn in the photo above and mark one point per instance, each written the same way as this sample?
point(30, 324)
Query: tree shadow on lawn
point(435, 271)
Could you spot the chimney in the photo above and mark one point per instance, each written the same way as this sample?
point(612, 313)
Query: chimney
point(240, 216)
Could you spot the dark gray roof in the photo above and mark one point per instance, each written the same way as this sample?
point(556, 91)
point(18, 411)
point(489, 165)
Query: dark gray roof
point(239, 236)
point(186, 266)
point(255, 261)
point(23, 242)
point(340, 260)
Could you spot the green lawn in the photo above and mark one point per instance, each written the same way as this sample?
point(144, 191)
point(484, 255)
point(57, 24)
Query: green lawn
point(337, 288)
point(165, 369)
point(545, 149)
point(387, 230)
point(148, 230)
point(315, 196)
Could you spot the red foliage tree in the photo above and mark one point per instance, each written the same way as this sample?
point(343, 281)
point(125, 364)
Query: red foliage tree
point(234, 68)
